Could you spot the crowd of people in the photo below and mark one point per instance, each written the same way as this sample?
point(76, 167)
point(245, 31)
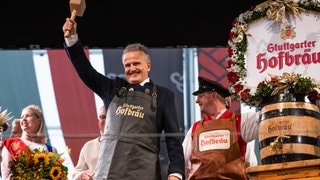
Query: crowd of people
point(209, 161)
point(135, 113)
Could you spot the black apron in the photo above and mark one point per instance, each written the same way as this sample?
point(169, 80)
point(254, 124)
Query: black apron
point(129, 147)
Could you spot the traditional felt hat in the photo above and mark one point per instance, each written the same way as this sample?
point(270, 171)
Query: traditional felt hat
point(207, 85)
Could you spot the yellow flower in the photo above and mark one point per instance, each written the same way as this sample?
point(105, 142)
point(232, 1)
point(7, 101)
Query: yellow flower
point(51, 154)
point(55, 173)
point(38, 164)
point(41, 157)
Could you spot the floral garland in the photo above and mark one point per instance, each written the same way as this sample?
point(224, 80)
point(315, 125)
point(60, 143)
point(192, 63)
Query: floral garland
point(237, 47)
point(38, 165)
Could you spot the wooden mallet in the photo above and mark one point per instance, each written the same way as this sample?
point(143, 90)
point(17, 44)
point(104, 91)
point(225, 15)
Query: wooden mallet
point(77, 8)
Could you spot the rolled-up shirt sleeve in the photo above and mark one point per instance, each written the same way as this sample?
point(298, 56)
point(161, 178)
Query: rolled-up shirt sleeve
point(187, 147)
point(250, 126)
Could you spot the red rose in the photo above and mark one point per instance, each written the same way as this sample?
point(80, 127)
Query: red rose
point(313, 95)
point(231, 35)
point(273, 79)
point(233, 77)
point(234, 22)
point(229, 63)
point(230, 51)
point(238, 87)
point(260, 84)
point(244, 93)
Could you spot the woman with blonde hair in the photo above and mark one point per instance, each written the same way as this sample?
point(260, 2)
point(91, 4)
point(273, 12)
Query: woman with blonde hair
point(33, 137)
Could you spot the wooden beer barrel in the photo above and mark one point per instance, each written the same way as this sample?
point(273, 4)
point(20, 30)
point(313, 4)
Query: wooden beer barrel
point(289, 129)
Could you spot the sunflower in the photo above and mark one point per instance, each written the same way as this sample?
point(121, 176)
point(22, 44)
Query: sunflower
point(38, 164)
point(41, 157)
point(55, 173)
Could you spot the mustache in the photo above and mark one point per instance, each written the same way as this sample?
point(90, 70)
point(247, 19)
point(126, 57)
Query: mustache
point(134, 71)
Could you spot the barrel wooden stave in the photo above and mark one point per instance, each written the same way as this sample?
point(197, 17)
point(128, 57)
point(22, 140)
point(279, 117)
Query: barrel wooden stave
point(296, 125)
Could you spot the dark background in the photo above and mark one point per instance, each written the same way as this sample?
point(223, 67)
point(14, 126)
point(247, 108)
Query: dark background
point(115, 23)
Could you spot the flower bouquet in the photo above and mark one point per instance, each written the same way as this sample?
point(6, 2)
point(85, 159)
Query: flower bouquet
point(286, 84)
point(38, 165)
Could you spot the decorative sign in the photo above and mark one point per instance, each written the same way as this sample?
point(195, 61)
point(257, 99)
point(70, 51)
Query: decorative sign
point(274, 48)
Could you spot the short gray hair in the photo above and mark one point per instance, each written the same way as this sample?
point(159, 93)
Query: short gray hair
point(137, 47)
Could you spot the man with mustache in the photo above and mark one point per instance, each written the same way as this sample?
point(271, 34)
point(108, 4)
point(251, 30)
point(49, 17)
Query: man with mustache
point(138, 111)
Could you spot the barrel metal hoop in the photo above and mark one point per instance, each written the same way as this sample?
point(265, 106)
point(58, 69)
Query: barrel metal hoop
point(280, 158)
point(289, 112)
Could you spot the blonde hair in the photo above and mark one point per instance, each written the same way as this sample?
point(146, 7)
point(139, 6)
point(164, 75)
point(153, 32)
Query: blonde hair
point(40, 136)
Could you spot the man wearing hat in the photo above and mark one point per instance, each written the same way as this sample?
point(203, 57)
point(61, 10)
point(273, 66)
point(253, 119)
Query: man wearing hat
point(215, 146)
